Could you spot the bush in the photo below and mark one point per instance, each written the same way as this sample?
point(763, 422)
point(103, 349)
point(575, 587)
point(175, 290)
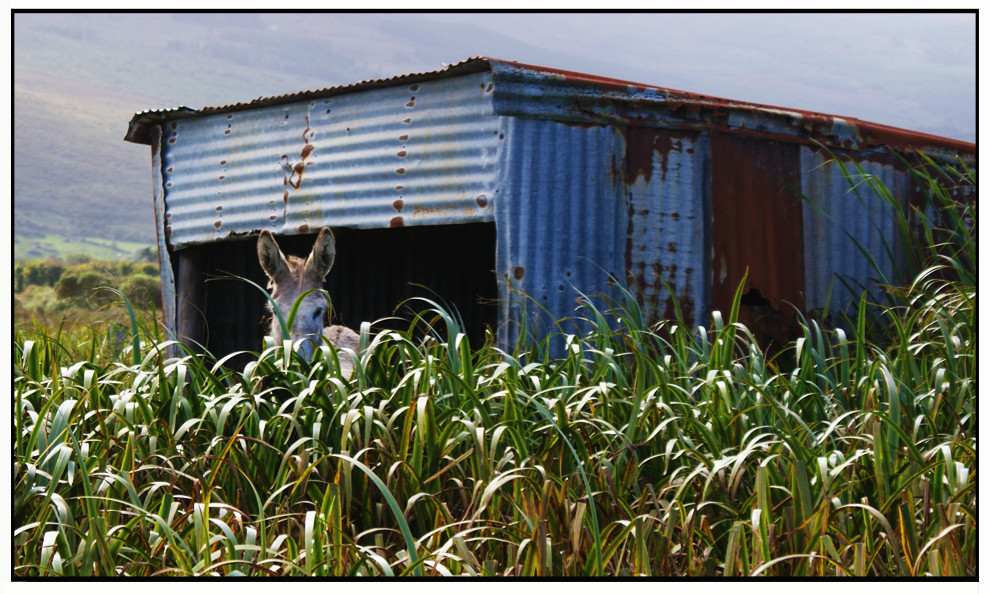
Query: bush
point(142, 289)
point(37, 272)
point(80, 285)
point(40, 299)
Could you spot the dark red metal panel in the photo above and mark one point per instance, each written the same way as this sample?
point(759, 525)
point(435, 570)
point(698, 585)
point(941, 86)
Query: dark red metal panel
point(756, 225)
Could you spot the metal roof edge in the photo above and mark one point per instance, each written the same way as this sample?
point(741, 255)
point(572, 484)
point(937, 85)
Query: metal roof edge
point(593, 99)
point(581, 97)
point(137, 130)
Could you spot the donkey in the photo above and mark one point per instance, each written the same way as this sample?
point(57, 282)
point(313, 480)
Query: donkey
point(291, 276)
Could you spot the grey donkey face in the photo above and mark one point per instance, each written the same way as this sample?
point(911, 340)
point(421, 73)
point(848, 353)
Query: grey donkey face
point(291, 276)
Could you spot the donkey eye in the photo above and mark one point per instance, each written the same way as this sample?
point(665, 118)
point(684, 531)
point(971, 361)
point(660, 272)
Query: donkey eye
point(317, 314)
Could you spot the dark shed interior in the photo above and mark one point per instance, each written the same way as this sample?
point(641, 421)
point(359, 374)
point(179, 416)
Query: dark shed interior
point(375, 273)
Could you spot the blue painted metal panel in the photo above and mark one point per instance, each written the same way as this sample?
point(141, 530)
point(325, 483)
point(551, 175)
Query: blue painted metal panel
point(668, 221)
point(417, 154)
point(849, 234)
point(561, 225)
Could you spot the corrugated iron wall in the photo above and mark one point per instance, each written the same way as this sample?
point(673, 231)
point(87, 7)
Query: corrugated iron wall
point(756, 221)
point(666, 185)
point(561, 227)
point(586, 180)
point(417, 154)
point(848, 234)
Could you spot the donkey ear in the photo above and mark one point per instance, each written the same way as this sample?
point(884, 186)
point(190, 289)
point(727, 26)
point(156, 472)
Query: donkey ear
point(321, 259)
point(271, 258)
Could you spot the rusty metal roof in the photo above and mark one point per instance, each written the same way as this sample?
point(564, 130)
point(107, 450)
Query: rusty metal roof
point(574, 96)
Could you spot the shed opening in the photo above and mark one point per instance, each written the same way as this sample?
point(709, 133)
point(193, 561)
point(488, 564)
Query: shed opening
point(375, 273)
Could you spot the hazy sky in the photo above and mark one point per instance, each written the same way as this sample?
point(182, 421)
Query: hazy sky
point(911, 70)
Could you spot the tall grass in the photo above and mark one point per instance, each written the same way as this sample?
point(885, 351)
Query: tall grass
point(655, 451)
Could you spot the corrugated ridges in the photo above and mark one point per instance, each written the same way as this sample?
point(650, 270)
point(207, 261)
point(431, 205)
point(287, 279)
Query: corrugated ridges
point(667, 239)
point(837, 218)
point(415, 155)
point(560, 221)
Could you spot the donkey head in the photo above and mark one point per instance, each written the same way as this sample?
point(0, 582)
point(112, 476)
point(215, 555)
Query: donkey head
point(291, 276)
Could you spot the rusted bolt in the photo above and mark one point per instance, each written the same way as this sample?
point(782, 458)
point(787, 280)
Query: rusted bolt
point(518, 272)
point(304, 228)
point(398, 204)
point(396, 222)
point(482, 200)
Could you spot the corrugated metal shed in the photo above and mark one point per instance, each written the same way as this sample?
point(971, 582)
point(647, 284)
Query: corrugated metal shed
point(584, 179)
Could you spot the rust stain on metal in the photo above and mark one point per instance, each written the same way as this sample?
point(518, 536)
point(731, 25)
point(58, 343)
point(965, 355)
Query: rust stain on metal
point(398, 204)
point(400, 154)
point(404, 137)
point(643, 143)
point(226, 131)
point(407, 121)
point(396, 222)
point(219, 208)
point(294, 179)
point(168, 231)
point(216, 224)
point(414, 88)
point(412, 102)
point(400, 170)
point(399, 188)
point(304, 228)
point(518, 272)
point(756, 222)
point(441, 211)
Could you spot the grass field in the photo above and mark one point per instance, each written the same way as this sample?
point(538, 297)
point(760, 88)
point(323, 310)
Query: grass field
point(57, 246)
point(646, 450)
